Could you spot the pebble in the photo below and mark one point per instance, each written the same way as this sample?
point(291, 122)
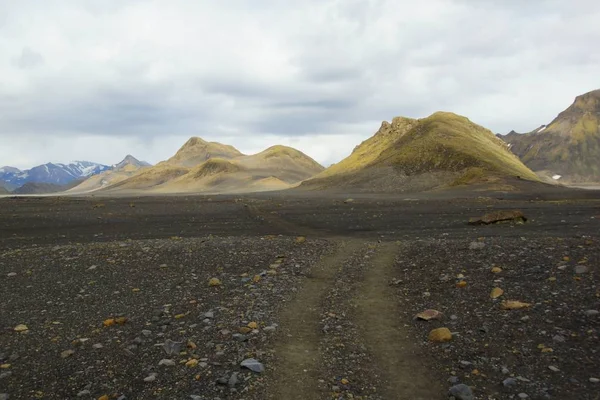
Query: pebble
point(170, 347)
point(166, 362)
point(253, 365)
point(209, 314)
point(476, 245)
point(151, 377)
point(233, 380)
point(581, 269)
point(84, 393)
point(461, 392)
point(558, 338)
point(591, 313)
point(97, 346)
point(146, 332)
point(509, 382)
point(67, 353)
point(3, 396)
point(594, 380)
point(11, 274)
point(5, 375)
point(523, 395)
point(553, 368)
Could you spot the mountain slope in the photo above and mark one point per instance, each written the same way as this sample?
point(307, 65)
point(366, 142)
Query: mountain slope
point(443, 149)
point(43, 188)
point(196, 151)
point(121, 171)
point(58, 174)
point(569, 147)
point(209, 167)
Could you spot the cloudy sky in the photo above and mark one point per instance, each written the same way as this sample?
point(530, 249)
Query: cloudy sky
point(97, 79)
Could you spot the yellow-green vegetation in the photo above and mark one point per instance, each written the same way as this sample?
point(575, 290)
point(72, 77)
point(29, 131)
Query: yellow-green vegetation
point(443, 143)
point(214, 166)
point(196, 151)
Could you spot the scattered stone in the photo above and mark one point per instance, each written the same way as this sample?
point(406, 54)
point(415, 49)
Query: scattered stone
point(3, 396)
point(253, 365)
point(509, 382)
point(21, 328)
point(233, 380)
point(581, 269)
point(300, 239)
point(67, 353)
point(166, 362)
point(440, 335)
point(523, 395)
point(496, 292)
point(214, 282)
point(558, 339)
point(496, 270)
point(191, 363)
point(553, 368)
point(252, 325)
point(476, 245)
point(430, 314)
point(150, 378)
point(347, 201)
point(170, 347)
point(594, 380)
point(97, 346)
point(591, 313)
point(11, 274)
point(461, 392)
point(499, 216)
point(271, 328)
point(513, 305)
point(239, 337)
point(146, 332)
point(209, 314)
point(85, 393)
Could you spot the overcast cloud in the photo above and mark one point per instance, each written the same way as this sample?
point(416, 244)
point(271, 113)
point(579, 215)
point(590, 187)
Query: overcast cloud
point(97, 79)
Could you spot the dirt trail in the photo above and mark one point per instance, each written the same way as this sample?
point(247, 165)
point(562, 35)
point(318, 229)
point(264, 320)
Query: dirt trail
point(396, 355)
point(296, 372)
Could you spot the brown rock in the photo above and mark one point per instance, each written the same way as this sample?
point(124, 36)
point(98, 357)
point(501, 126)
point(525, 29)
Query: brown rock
point(429, 315)
point(499, 216)
point(513, 305)
point(496, 292)
point(440, 335)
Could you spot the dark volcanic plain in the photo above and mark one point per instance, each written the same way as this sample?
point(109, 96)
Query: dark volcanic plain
point(321, 291)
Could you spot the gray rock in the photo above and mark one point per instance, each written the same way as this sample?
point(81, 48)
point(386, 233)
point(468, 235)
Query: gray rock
point(122, 397)
point(269, 328)
point(594, 380)
point(209, 314)
point(233, 380)
point(3, 396)
point(558, 338)
point(84, 393)
point(453, 380)
point(172, 347)
point(166, 362)
point(591, 313)
point(553, 368)
point(476, 245)
point(196, 397)
point(146, 332)
point(151, 377)
point(5, 375)
point(509, 382)
point(523, 395)
point(253, 365)
point(239, 337)
point(461, 392)
point(581, 269)
point(97, 346)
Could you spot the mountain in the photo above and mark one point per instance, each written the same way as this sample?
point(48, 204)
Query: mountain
point(44, 188)
point(210, 167)
point(407, 154)
point(125, 169)
point(58, 174)
point(196, 151)
point(568, 148)
point(3, 190)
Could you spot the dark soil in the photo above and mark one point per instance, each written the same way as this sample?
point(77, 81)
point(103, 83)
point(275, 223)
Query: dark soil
point(347, 295)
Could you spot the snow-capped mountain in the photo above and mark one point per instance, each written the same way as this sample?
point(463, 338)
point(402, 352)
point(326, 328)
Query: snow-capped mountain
point(59, 174)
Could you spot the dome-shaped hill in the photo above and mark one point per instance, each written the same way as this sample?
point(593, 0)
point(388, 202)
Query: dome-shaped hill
point(443, 149)
point(195, 151)
point(284, 163)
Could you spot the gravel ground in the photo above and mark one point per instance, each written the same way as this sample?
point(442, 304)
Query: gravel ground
point(549, 350)
point(66, 295)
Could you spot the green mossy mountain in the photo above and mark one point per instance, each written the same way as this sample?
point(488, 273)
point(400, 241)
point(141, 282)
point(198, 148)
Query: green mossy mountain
point(442, 150)
point(568, 147)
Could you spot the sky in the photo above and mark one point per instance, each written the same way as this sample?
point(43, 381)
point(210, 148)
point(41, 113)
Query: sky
point(98, 79)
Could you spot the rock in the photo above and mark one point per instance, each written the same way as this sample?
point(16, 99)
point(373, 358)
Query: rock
point(5, 375)
point(214, 282)
point(170, 347)
point(253, 325)
point(348, 201)
point(429, 315)
point(453, 380)
point(523, 395)
point(476, 245)
point(11, 274)
point(97, 346)
point(253, 365)
point(509, 382)
point(239, 337)
point(513, 305)
point(594, 380)
point(166, 362)
point(191, 363)
point(499, 216)
point(496, 292)
point(146, 332)
point(581, 269)
point(209, 314)
point(300, 239)
point(21, 328)
point(440, 335)
point(461, 284)
point(150, 378)
point(553, 368)
point(496, 270)
point(67, 353)
point(271, 328)
point(104, 397)
point(461, 392)
point(233, 380)
point(85, 393)
point(558, 339)
point(591, 313)
point(3, 396)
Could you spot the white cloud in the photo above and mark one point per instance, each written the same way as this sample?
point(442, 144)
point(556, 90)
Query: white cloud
point(99, 79)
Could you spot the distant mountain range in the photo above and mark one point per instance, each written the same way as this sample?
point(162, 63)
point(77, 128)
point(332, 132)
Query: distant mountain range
point(52, 177)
